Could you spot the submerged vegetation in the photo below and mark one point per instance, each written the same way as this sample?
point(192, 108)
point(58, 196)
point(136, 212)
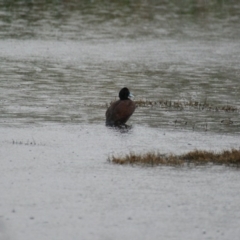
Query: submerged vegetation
point(196, 157)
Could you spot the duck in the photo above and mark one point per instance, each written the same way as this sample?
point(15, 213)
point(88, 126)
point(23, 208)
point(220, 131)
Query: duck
point(121, 110)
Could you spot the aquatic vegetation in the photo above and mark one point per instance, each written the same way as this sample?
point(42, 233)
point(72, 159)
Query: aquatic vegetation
point(186, 104)
point(181, 105)
point(28, 142)
point(226, 157)
point(147, 159)
point(196, 157)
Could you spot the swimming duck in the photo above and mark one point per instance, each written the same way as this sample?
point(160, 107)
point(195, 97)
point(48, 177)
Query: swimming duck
point(121, 110)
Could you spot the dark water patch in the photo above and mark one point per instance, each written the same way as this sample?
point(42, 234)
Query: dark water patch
point(118, 19)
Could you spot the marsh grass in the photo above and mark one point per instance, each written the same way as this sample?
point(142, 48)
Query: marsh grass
point(182, 105)
point(196, 157)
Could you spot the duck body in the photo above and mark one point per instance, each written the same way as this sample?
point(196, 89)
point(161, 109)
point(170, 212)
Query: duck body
point(121, 110)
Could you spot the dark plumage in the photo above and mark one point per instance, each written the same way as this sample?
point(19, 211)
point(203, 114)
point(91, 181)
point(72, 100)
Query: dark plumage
point(120, 111)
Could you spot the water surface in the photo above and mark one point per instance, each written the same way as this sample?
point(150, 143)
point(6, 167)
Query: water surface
point(62, 63)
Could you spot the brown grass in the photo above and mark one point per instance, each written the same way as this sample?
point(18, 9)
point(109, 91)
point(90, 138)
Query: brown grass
point(196, 157)
point(148, 158)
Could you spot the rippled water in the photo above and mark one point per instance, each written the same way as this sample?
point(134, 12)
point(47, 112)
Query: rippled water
point(62, 62)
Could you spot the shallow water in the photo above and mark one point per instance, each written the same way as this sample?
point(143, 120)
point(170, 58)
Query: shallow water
point(58, 184)
point(66, 65)
point(62, 63)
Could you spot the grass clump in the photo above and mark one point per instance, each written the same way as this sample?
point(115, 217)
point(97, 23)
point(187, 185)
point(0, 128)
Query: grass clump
point(226, 157)
point(147, 159)
point(196, 157)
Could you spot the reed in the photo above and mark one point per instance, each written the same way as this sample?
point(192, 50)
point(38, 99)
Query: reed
point(196, 157)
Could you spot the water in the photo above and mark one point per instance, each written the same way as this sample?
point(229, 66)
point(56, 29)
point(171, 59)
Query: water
point(62, 63)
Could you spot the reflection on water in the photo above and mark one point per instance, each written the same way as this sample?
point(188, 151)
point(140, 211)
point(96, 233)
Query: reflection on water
point(64, 61)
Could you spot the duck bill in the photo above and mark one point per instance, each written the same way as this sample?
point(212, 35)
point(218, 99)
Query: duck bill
point(130, 95)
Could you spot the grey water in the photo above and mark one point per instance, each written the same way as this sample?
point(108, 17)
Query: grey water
point(65, 61)
point(61, 64)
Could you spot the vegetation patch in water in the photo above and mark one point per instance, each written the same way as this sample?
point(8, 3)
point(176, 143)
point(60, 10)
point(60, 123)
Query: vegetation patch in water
point(196, 157)
point(186, 104)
